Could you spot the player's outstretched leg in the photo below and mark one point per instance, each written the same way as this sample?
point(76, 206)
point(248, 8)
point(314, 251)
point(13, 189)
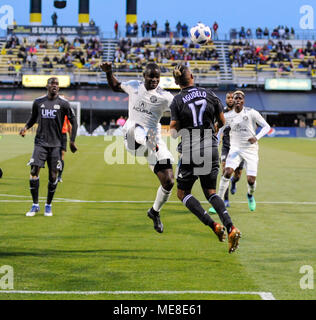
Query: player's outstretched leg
point(233, 233)
point(251, 189)
point(34, 187)
point(195, 207)
point(165, 176)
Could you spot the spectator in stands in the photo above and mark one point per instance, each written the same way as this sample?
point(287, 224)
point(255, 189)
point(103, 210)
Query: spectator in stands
point(143, 28)
point(242, 33)
point(54, 19)
point(154, 27)
point(91, 23)
point(105, 126)
point(116, 29)
point(167, 28)
point(129, 29)
point(292, 33)
point(248, 33)
point(29, 59)
point(215, 28)
point(32, 49)
point(179, 28)
point(259, 33)
point(281, 31)
point(120, 121)
point(34, 61)
point(266, 33)
point(112, 124)
point(148, 27)
point(185, 33)
point(275, 33)
point(135, 29)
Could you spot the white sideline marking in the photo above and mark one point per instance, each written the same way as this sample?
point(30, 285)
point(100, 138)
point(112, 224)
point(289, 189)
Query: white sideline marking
point(263, 295)
point(140, 201)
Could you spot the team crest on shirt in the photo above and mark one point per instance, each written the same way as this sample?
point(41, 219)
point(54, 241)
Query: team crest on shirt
point(57, 106)
point(153, 99)
point(42, 106)
point(245, 118)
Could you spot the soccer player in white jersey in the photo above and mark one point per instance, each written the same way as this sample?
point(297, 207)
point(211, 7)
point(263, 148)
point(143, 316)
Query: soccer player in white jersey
point(243, 145)
point(142, 131)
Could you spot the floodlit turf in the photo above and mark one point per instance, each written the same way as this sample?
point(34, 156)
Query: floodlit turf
point(94, 246)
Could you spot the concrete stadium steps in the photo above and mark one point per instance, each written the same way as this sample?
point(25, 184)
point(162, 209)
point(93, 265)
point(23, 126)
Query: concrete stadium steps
point(222, 48)
point(108, 49)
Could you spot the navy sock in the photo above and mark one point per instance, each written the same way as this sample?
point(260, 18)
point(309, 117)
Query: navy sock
point(34, 186)
point(219, 206)
point(51, 191)
point(195, 207)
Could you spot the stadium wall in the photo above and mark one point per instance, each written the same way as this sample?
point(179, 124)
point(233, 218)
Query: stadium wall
point(106, 99)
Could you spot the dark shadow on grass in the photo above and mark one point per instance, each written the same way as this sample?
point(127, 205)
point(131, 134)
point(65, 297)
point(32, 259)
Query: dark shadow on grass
point(107, 253)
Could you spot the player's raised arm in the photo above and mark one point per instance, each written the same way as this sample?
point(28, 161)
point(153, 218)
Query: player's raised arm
point(112, 81)
point(32, 120)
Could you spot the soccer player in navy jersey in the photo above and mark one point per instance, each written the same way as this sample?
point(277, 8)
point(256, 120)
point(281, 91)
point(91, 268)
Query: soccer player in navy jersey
point(49, 112)
point(194, 112)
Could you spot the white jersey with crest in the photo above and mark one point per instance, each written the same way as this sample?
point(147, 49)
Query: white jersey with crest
point(146, 107)
point(243, 126)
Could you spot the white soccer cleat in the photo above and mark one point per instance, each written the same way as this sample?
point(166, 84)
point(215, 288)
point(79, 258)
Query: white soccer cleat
point(35, 208)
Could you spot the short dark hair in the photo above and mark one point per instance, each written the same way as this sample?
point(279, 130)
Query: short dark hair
point(152, 66)
point(51, 79)
point(180, 74)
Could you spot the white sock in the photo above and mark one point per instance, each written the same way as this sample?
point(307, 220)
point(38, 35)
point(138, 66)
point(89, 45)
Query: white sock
point(161, 198)
point(251, 189)
point(223, 185)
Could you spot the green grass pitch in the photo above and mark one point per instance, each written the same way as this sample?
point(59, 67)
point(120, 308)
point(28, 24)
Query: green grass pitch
point(95, 246)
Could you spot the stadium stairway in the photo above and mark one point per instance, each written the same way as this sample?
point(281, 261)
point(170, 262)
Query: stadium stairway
point(222, 48)
point(108, 51)
point(108, 48)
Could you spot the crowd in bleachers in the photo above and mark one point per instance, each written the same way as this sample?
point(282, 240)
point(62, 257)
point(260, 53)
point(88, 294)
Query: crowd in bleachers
point(77, 54)
point(133, 55)
point(278, 55)
point(148, 29)
point(279, 32)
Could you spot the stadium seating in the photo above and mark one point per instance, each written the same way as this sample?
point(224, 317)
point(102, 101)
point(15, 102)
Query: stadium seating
point(41, 58)
point(132, 57)
point(272, 60)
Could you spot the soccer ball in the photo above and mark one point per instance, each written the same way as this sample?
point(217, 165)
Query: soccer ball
point(200, 34)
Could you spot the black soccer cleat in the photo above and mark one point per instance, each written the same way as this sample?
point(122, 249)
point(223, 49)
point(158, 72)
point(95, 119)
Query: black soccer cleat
point(154, 216)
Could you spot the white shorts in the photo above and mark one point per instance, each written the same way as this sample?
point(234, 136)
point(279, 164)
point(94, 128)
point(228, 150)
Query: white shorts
point(249, 155)
point(135, 136)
